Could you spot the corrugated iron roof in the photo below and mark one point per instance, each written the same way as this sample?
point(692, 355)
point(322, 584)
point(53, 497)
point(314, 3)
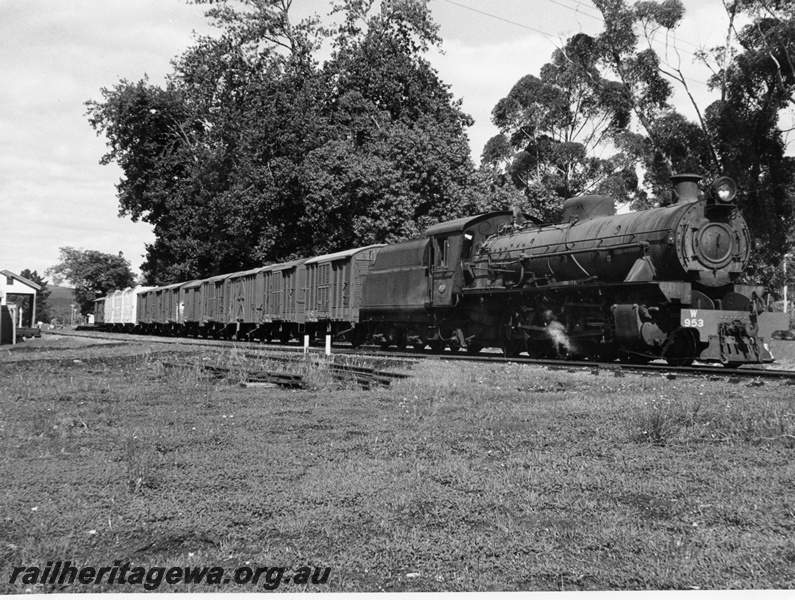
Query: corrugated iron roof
point(35, 286)
point(342, 254)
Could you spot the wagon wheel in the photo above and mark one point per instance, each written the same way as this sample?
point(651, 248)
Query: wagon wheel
point(419, 346)
point(284, 337)
point(437, 346)
point(357, 337)
point(455, 346)
point(474, 348)
point(400, 339)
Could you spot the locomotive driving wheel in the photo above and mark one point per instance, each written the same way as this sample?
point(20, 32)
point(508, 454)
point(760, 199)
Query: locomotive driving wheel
point(512, 337)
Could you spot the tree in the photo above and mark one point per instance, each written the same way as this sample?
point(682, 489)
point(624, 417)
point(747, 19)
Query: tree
point(93, 274)
point(42, 307)
point(739, 133)
point(396, 158)
point(254, 152)
point(552, 126)
point(757, 88)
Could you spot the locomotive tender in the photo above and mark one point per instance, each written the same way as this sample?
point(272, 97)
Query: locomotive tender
point(659, 283)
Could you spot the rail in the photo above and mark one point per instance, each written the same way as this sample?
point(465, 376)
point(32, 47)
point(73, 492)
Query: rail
point(709, 371)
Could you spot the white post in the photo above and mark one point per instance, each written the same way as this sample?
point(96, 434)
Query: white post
point(786, 258)
point(328, 345)
point(306, 344)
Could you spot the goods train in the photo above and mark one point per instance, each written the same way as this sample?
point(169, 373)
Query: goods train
point(639, 286)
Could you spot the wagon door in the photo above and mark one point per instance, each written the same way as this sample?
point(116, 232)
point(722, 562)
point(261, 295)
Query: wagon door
point(247, 300)
point(323, 293)
point(220, 301)
point(276, 295)
point(340, 274)
point(259, 306)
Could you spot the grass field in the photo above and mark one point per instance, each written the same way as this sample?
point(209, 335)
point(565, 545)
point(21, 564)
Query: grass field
point(461, 478)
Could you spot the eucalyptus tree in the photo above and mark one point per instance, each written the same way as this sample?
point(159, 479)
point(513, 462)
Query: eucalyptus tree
point(564, 132)
point(742, 132)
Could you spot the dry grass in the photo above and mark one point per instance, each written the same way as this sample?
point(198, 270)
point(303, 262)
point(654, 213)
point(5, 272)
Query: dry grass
point(461, 478)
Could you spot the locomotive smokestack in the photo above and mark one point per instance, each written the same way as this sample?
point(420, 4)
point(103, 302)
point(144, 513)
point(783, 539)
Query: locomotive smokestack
point(685, 187)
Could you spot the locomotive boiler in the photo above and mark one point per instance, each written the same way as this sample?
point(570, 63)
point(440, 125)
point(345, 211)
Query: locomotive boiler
point(660, 283)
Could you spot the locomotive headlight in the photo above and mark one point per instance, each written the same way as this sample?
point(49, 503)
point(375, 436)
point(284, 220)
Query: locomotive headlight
point(724, 189)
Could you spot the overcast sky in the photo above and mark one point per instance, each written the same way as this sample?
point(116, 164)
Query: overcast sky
point(55, 55)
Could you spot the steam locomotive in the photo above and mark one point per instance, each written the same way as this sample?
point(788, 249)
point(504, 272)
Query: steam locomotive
point(660, 283)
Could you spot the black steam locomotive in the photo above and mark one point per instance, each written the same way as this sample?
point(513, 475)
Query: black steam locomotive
point(659, 283)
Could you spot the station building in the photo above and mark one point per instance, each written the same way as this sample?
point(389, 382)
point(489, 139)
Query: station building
point(12, 321)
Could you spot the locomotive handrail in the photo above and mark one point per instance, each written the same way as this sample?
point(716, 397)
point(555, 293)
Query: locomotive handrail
point(601, 240)
point(497, 263)
point(643, 244)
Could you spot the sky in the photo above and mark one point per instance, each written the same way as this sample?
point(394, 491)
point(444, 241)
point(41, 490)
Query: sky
point(55, 56)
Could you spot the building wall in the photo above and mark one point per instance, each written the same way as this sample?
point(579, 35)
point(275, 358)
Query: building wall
point(11, 283)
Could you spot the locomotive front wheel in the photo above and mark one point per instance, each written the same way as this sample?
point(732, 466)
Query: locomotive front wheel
point(682, 349)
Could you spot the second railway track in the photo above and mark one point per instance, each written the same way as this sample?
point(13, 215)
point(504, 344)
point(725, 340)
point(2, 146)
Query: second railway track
point(707, 371)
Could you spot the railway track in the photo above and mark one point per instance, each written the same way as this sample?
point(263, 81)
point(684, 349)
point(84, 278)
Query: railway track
point(707, 371)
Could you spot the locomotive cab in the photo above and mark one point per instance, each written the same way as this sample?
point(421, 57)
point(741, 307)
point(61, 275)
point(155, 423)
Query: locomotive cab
point(412, 292)
point(453, 245)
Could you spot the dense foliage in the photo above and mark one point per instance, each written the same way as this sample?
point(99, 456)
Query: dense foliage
point(610, 96)
point(92, 273)
point(552, 127)
point(254, 152)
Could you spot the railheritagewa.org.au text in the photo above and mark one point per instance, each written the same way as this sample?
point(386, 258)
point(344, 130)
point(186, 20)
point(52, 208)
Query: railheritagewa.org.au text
point(151, 578)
